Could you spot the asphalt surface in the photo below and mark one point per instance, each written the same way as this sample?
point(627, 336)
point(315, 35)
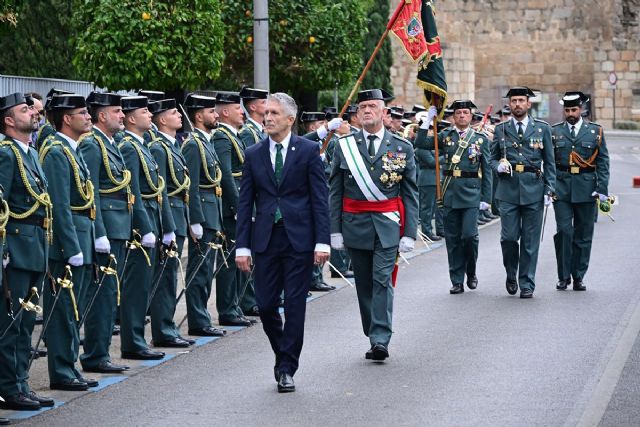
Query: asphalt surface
point(479, 358)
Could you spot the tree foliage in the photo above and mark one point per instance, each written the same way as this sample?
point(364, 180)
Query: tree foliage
point(159, 44)
point(313, 43)
point(379, 75)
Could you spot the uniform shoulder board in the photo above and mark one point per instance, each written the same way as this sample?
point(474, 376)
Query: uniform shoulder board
point(540, 121)
point(594, 123)
point(401, 139)
point(557, 124)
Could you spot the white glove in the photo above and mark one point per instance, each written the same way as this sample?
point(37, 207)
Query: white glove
point(484, 206)
point(602, 197)
point(323, 156)
point(102, 245)
point(337, 242)
point(5, 261)
point(406, 244)
point(504, 167)
point(196, 231)
point(431, 113)
point(77, 260)
point(334, 123)
point(547, 200)
point(425, 124)
point(167, 238)
point(149, 240)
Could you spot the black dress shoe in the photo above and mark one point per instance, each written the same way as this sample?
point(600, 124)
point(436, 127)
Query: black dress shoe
point(143, 355)
point(42, 400)
point(106, 367)
point(346, 274)
point(252, 321)
point(578, 286)
point(321, 287)
point(562, 285)
point(19, 402)
point(90, 382)
point(235, 321)
point(369, 354)
point(456, 289)
point(433, 237)
point(173, 342)
point(472, 282)
point(39, 320)
point(482, 221)
point(70, 385)
point(41, 352)
point(285, 383)
point(116, 330)
point(189, 340)
point(253, 311)
point(207, 331)
point(512, 286)
point(440, 233)
point(379, 352)
point(4, 421)
point(526, 293)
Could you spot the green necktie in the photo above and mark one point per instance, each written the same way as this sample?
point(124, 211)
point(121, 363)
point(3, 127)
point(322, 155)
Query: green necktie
point(573, 131)
point(520, 129)
point(278, 175)
point(372, 145)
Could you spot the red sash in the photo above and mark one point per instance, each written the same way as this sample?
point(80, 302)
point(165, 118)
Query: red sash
point(382, 206)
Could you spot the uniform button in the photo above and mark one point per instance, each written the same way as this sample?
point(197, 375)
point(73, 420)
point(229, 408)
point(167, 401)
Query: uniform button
point(110, 207)
point(372, 168)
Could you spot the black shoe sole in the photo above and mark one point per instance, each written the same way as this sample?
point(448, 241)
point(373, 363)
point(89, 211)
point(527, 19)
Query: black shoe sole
point(379, 355)
point(286, 389)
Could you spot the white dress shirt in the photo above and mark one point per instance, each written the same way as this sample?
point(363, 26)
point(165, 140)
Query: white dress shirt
point(379, 136)
point(525, 123)
point(578, 125)
point(71, 142)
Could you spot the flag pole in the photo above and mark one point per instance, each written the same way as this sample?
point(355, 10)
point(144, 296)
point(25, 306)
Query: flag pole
point(435, 148)
point(392, 21)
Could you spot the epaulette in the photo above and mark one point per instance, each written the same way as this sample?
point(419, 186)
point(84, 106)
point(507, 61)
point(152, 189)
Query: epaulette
point(540, 121)
point(593, 123)
point(557, 124)
point(399, 138)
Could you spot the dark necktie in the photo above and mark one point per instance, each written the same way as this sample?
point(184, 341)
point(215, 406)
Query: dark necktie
point(573, 131)
point(520, 133)
point(372, 145)
point(278, 175)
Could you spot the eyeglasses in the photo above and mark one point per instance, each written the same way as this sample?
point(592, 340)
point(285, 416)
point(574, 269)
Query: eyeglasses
point(84, 113)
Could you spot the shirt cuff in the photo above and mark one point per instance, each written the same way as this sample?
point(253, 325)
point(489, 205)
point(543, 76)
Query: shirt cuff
point(322, 247)
point(243, 252)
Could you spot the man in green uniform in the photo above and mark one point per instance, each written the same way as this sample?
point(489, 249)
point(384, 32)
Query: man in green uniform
point(254, 102)
point(72, 249)
point(373, 203)
point(113, 199)
point(205, 212)
point(466, 187)
point(47, 129)
point(173, 169)
point(25, 251)
point(230, 149)
point(147, 187)
point(152, 96)
point(521, 148)
point(582, 164)
point(427, 189)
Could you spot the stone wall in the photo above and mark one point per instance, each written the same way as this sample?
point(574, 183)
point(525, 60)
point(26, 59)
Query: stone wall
point(549, 45)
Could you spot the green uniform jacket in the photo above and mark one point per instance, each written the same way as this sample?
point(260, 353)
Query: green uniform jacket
point(462, 192)
point(578, 187)
point(251, 134)
point(45, 131)
point(173, 168)
point(534, 150)
point(427, 167)
point(359, 230)
point(113, 218)
point(26, 244)
point(328, 153)
point(72, 229)
point(230, 150)
point(205, 207)
point(143, 207)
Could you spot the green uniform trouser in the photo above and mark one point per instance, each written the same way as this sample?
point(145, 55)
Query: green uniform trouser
point(15, 346)
point(340, 260)
point(316, 275)
point(574, 237)
point(229, 280)
point(427, 199)
point(163, 304)
point(136, 285)
point(461, 237)
point(199, 290)
point(248, 298)
point(101, 317)
point(372, 271)
point(63, 337)
point(521, 223)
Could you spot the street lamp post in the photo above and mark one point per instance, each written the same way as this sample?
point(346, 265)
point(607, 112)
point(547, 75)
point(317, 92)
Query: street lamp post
point(261, 44)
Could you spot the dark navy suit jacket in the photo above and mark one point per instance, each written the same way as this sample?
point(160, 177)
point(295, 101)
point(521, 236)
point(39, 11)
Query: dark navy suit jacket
point(302, 197)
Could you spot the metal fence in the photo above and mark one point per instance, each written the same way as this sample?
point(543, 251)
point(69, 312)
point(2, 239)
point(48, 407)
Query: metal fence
point(12, 84)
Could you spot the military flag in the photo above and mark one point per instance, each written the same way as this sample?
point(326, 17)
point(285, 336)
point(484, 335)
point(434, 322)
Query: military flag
point(431, 76)
point(408, 29)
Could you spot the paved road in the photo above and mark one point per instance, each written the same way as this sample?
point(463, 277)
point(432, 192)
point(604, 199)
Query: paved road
point(480, 358)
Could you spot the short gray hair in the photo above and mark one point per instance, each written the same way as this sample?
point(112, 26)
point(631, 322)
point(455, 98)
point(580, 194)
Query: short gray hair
point(288, 103)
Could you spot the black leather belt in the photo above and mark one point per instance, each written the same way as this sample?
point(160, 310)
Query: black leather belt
point(36, 220)
point(119, 196)
point(524, 168)
point(574, 169)
point(89, 213)
point(460, 174)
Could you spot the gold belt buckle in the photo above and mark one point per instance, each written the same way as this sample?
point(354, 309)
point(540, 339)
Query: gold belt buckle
point(575, 169)
point(219, 191)
point(457, 173)
point(519, 168)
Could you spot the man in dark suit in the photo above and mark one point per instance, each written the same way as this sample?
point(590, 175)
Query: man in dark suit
point(284, 177)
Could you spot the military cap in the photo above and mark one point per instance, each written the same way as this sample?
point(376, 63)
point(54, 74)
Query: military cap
point(251, 93)
point(370, 95)
point(103, 99)
point(448, 111)
point(14, 99)
point(153, 95)
point(67, 102)
point(406, 122)
point(330, 112)
point(460, 104)
point(352, 109)
point(477, 116)
point(228, 98)
point(573, 99)
point(417, 108)
point(396, 114)
point(495, 119)
point(157, 107)
point(409, 114)
point(52, 92)
point(506, 110)
point(313, 116)
point(520, 91)
point(130, 103)
point(442, 124)
point(386, 96)
point(397, 108)
point(197, 102)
